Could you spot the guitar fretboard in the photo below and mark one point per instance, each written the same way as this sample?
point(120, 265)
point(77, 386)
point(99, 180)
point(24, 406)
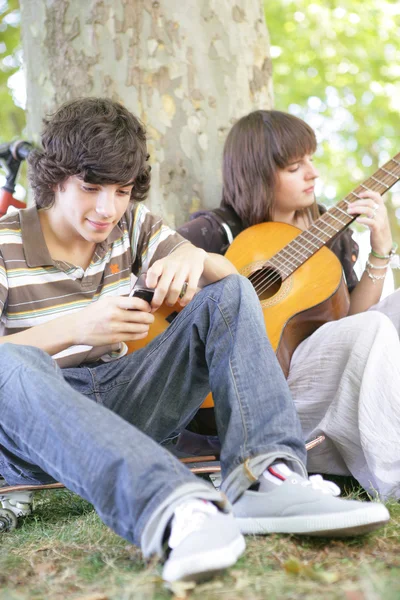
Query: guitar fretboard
point(307, 243)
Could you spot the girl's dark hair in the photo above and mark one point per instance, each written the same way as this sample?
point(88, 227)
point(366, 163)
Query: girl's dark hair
point(95, 139)
point(256, 147)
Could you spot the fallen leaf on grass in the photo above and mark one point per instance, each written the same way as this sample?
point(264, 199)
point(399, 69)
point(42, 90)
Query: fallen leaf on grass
point(307, 571)
point(241, 582)
point(44, 549)
point(354, 595)
point(45, 569)
point(94, 597)
point(180, 589)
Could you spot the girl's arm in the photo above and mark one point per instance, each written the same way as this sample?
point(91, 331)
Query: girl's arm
point(374, 215)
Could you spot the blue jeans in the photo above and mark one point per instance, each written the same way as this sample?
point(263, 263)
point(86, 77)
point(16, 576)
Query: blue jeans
point(97, 428)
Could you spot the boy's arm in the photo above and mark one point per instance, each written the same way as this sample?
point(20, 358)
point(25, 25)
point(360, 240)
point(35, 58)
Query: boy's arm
point(185, 265)
point(52, 337)
point(116, 319)
point(108, 321)
point(170, 261)
point(216, 267)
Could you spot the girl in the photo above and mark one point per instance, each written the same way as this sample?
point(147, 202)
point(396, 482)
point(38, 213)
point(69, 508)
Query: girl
point(345, 377)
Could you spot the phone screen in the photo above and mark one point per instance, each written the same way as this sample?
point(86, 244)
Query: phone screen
point(145, 294)
point(140, 290)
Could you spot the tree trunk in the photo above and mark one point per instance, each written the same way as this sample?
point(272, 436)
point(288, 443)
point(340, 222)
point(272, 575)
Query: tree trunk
point(187, 69)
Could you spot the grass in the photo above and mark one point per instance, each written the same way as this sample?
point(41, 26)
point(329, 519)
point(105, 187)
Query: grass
point(63, 551)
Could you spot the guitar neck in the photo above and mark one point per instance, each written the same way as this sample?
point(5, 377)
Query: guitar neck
point(332, 222)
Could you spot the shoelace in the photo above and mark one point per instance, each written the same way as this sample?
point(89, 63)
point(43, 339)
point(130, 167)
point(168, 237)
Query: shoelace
point(316, 481)
point(189, 517)
point(323, 485)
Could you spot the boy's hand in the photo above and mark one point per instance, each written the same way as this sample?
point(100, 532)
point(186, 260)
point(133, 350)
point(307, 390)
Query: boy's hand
point(112, 320)
point(167, 276)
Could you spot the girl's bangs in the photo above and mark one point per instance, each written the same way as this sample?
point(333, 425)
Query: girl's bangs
point(294, 140)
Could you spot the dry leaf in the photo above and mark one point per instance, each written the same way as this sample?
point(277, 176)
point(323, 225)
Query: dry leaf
point(293, 566)
point(45, 568)
point(180, 589)
point(94, 597)
point(354, 595)
point(296, 567)
point(241, 581)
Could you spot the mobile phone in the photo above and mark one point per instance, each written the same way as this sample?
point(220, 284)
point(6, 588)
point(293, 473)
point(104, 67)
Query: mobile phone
point(140, 290)
point(143, 293)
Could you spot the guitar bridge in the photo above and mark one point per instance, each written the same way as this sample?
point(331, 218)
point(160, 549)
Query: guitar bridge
point(171, 317)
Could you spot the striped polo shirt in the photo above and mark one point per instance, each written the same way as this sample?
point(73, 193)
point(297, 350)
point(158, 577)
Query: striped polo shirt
point(35, 289)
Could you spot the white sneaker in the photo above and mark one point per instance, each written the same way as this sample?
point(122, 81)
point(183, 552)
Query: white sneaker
point(203, 541)
point(306, 507)
point(20, 503)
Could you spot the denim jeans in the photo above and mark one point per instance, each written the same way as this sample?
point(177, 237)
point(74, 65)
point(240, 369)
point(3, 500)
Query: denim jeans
point(97, 428)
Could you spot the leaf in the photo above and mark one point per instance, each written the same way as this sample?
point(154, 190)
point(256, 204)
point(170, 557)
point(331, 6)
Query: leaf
point(354, 595)
point(180, 589)
point(94, 597)
point(293, 566)
point(44, 569)
point(308, 571)
point(242, 582)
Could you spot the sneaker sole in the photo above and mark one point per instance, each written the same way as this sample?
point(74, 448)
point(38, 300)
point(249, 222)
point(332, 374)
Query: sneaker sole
point(345, 524)
point(205, 564)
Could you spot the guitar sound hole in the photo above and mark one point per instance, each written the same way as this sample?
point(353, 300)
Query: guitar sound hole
point(266, 282)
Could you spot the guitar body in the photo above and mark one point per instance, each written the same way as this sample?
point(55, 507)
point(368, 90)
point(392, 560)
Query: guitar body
point(301, 287)
point(294, 307)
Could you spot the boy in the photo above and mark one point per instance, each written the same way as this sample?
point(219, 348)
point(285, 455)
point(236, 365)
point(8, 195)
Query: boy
point(94, 424)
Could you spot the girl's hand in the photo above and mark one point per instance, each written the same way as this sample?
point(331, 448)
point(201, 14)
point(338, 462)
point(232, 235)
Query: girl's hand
point(373, 214)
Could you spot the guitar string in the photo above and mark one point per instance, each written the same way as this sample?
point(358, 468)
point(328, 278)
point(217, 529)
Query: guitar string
point(271, 278)
point(268, 279)
point(307, 246)
point(262, 283)
point(288, 261)
point(323, 221)
point(330, 214)
point(258, 278)
point(298, 251)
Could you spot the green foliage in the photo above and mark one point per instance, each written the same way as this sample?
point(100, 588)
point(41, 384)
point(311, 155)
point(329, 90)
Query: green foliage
point(336, 64)
point(12, 117)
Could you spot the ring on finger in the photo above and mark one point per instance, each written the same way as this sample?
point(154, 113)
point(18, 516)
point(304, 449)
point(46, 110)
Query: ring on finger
point(374, 211)
point(184, 289)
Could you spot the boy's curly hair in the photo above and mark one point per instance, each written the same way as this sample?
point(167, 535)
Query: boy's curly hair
point(95, 139)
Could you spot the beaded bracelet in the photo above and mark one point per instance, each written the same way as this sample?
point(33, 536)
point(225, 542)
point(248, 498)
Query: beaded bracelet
point(369, 265)
point(374, 278)
point(385, 256)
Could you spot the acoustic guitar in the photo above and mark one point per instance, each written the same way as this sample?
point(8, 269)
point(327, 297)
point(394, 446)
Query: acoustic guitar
point(298, 280)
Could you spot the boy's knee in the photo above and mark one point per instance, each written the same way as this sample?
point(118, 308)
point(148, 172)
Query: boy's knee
point(235, 293)
point(238, 293)
point(12, 355)
point(236, 284)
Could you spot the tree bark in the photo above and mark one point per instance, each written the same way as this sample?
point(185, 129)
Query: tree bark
point(187, 69)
